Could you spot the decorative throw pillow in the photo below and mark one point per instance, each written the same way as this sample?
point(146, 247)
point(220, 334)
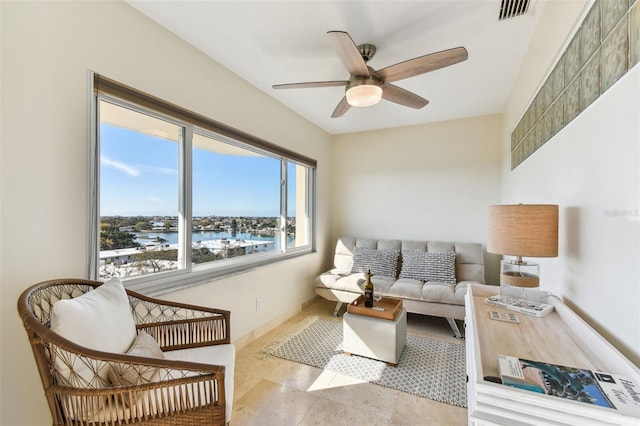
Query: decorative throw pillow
point(100, 319)
point(379, 262)
point(134, 374)
point(429, 266)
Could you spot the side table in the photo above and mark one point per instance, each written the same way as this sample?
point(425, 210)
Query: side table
point(367, 334)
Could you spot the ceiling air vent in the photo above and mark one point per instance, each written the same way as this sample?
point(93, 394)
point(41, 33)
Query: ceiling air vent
point(513, 8)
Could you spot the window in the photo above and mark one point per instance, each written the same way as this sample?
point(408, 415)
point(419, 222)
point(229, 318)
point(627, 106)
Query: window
point(179, 198)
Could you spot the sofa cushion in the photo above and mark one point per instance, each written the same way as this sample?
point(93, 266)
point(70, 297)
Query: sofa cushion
point(100, 319)
point(379, 262)
point(343, 258)
point(414, 245)
point(429, 266)
point(444, 293)
point(382, 284)
point(407, 288)
point(353, 283)
point(328, 279)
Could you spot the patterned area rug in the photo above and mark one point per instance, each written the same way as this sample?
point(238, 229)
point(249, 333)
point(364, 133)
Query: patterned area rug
point(430, 368)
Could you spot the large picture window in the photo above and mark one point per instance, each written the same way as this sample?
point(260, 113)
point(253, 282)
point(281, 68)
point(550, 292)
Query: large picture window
point(178, 198)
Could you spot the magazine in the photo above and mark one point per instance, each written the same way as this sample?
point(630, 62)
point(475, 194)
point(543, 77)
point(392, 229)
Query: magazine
point(520, 305)
point(591, 387)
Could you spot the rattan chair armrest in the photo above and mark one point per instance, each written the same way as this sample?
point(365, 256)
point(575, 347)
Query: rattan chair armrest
point(163, 363)
point(170, 309)
point(177, 325)
point(191, 396)
point(188, 333)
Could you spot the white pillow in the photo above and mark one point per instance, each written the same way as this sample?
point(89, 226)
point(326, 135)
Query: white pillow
point(128, 374)
point(100, 319)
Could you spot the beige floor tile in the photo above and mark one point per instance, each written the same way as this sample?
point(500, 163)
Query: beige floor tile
point(251, 368)
point(414, 410)
point(272, 391)
point(364, 396)
point(300, 376)
point(270, 403)
point(325, 412)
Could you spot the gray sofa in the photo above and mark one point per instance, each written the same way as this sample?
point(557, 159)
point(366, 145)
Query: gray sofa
point(430, 277)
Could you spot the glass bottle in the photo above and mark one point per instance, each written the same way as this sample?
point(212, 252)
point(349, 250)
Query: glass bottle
point(368, 291)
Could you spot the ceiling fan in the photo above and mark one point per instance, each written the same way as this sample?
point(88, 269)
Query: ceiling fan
point(367, 86)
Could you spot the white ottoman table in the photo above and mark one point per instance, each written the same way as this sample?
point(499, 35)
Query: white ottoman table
point(373, 337)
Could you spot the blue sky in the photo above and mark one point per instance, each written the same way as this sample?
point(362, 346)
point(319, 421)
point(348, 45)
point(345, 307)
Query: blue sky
point(139, 176)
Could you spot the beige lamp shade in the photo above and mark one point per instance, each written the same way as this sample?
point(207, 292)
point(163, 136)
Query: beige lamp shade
point(523, 230)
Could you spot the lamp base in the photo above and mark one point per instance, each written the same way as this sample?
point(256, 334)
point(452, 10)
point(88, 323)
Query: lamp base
point(520, 279)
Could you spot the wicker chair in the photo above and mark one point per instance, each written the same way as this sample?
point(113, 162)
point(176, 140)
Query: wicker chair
point(185, 393)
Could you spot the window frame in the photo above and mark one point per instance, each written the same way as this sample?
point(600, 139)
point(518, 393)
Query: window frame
point(104, 89)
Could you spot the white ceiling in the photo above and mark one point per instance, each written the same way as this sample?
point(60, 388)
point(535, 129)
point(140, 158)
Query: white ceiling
point(274, 42)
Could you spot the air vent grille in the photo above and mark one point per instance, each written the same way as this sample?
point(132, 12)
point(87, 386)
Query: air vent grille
point(513, 8)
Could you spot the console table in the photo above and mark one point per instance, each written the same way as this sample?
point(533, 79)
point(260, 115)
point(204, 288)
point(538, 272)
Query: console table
point(561, 338)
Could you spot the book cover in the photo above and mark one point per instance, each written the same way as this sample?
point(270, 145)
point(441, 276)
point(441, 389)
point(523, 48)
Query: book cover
point(591, 387)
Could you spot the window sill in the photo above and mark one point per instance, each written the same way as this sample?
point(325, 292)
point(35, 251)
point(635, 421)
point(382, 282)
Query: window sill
point(168, 282)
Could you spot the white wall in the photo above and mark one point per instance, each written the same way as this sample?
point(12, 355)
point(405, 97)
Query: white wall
point(47, 50)
point(591, 169)
point(428, 182)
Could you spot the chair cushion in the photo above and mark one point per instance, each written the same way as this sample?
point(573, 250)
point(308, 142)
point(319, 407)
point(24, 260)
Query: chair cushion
point(215, 355)
point(100, 319)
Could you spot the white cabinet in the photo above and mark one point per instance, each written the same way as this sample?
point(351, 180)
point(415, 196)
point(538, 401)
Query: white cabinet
point(560, 338)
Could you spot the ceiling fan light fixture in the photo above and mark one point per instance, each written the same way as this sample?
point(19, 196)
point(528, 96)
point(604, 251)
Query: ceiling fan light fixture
point(364, 95)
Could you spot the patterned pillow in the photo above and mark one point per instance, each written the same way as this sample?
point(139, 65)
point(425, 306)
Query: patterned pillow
point(429, 266)
point(380, 262)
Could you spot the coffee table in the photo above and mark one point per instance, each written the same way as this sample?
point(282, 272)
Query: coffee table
point(373, 333)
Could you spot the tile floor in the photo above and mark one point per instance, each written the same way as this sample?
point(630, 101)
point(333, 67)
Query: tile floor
point(272, 391)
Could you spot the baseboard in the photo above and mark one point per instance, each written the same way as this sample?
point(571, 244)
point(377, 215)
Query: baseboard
point(271, 325)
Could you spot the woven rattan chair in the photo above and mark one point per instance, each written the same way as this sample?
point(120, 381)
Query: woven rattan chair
point(186, 393)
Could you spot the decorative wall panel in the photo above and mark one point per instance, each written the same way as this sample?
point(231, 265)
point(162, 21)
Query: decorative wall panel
point(634, 34)
point(604, 48)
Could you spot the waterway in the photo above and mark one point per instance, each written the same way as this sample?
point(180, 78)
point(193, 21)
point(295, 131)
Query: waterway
point(197, 236)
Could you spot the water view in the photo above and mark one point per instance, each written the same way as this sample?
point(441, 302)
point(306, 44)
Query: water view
point(145, 238)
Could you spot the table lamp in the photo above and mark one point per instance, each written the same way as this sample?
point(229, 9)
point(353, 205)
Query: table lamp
point(522, 230)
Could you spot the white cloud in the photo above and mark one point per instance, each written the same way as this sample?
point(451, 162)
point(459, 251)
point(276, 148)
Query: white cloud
point(159, 170)
point(155, 199)
point(130, 170)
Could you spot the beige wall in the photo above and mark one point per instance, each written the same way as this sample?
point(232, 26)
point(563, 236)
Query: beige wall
point(423, 182)
point(431, 182)
point(591, 169)
point(47, 50)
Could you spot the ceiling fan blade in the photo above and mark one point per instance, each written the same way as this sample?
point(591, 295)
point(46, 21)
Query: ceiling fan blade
point(348, 53)
point(343, 106)
point(403, 97)
point(310, 84)
point(422, 64)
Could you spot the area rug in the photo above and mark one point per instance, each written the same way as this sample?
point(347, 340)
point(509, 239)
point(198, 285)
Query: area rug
point(430, 368)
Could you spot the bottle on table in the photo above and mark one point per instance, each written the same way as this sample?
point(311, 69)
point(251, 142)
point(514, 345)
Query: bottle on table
point(368, 291)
